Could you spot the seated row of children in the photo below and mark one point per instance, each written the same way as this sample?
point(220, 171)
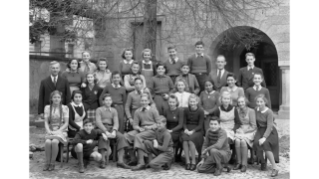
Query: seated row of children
point(149, 135)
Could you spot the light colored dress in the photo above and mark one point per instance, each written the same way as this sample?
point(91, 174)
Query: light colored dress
point(182, 99)
point(56, 121)
point(248, 125)
point(103, 78)
point(234, 93)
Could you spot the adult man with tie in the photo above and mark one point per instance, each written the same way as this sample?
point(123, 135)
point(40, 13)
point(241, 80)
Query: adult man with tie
point(218, 77)
point(50, 84)
point(246, 74)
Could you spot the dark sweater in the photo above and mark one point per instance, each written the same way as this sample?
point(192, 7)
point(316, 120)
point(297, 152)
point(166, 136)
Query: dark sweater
point(91, 97)
point(118, 94)
point(164, 140)
point(173, 69)
point(199, 64)
point(193, 120)
point(174, 119)
point(161, 84)
point(82, 136)
point(251, 94)
point(216, 139)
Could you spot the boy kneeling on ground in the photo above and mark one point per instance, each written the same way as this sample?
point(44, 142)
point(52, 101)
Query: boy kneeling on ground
point(215, 151)
point(84, 142)
point(161, 147)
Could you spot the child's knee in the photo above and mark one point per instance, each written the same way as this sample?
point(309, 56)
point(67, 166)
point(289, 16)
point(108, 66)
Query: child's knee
point(48, 141)
point(213, 151)
point(55, 142)
point(237, 142)
point(79, 147)
point(97, 156)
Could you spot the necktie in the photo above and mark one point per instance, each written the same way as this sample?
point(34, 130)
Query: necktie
point(173, 61)
point(54, 81)
point(219, 76)
point(144, 109)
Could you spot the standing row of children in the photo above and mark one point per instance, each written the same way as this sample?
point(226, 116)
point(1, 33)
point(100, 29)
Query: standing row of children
point(150, 108)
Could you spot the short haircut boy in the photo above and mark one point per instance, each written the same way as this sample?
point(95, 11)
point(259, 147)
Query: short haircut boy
point(214, 118)
point(199, 43)
point(171, 47)
point(249, 54)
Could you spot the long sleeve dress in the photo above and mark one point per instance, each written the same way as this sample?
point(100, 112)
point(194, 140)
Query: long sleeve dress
point(267, 129)
point(75, 80)
point(175, 119)
point(91, 99)
point(248, 125)
point(193, 120)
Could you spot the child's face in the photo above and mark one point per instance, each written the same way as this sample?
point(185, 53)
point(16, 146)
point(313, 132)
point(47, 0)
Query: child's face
point(56, 99)
point(260, 102)
point(172, 103)
point(161, 125)
point(172, 53)
point(138, 85)
point(160, 70)
point(74, 65)
point(147, 56)
point(145, 101)
point(250, 60)
point(88, 127)
point(193, 103)
point(77, 98)
point(231, 81)
point(116, 79)
point(257, 80)
point(208, 86)
point(102, 65)
point(241, 103)
point(180, 86)
point(185, 69)
point(86, 56)
point(220, 62)
point(214, 125)
point(199, 49)
point(226, 100)
point(128, 54)
point(108, 101)
point(135, 68)
point(90, 78)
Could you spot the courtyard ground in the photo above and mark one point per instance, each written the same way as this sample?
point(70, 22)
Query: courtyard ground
point(177, 171)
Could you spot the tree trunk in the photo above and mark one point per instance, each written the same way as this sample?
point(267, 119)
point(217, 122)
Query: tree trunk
point(150, 25)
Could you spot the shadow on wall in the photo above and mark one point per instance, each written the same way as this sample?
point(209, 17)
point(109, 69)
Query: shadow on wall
point(39, 69)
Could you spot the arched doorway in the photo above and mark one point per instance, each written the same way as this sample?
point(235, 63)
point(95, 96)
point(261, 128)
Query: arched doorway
point(266, 59)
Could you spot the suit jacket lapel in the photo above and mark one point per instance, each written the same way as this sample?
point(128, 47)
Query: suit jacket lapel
point(50, 83)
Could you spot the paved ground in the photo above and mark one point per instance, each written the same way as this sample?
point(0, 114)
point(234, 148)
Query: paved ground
point(177, 171)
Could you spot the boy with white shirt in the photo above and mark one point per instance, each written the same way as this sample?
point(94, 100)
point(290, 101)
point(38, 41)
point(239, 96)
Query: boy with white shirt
point(173, 64)
point(257, 89)
point(246, 74)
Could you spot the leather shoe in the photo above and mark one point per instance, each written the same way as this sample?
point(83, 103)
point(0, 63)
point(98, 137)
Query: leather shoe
point(243, 168)
point(188, 166)
point(123, 165)
point(192, 167)
point(251, 160)
point(46, 167)
point(81, 168)
point(52, 166)
point(274, 172)
point(218, 172)
point(228, 169)
point(138, 167)
point(167, 166)
point(263, 167)
point(237, 167)
point(102, 164)
point(132, 163)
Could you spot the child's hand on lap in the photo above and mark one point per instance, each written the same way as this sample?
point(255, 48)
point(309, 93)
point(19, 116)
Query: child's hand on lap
point(155, 143)
point(262, 140)
point(90, 141)
point(141, 129)
point(104, 136)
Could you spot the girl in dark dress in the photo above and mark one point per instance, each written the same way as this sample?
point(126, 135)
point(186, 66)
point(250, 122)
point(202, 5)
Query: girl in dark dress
point(77, 113)
point(192, 136)
point(266, 137)
point(174, 117)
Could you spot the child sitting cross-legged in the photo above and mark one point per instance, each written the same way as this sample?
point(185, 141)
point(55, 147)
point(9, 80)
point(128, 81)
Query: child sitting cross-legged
point(161, 147)
point(215, 150)
point(84, 142)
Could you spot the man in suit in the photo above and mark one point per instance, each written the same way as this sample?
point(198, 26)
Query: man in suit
point(50, 84)
point(246, 74)
point(218, 77)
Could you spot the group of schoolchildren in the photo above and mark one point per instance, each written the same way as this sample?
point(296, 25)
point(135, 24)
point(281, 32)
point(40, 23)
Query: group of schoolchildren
point(154, 109)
